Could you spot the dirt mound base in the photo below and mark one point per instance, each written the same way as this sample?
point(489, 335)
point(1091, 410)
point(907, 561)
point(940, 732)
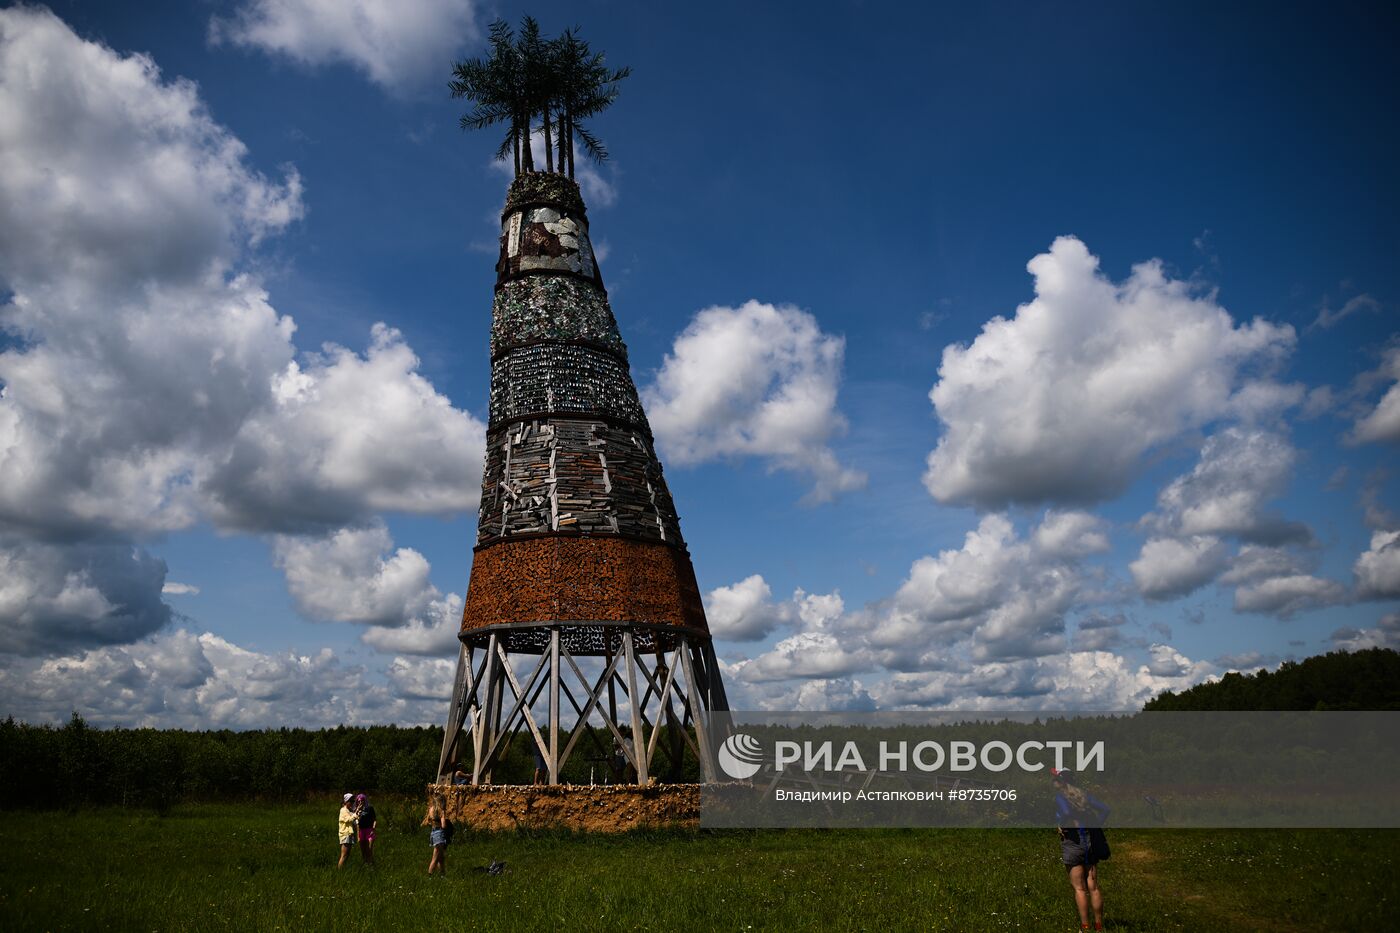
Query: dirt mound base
point(611, 808)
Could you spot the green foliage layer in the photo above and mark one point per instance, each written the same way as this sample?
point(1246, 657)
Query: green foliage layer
point(1359, 680)
point(561, 81)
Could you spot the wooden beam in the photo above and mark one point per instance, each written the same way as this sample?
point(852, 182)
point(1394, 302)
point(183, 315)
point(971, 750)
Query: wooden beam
point(697, 715)
point(520, 696)
point(635, 701)
point(666, 699)
point(483, 716)
point(608, 721)
point(718, 699)
point(592, 697)
point(455, 713)
point(553, 756)
point(578, 711)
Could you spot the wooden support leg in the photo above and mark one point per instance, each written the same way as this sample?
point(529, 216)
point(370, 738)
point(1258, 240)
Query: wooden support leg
point(485, 732)
point(718, 701)
point(635, 701)
point(498, 690)
point(453, 728)
point(685, 681)
point(698, 716)
point(553, 755)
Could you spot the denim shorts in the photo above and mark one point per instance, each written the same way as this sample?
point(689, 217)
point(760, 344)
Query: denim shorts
point(1077, 851)
point(438, 837)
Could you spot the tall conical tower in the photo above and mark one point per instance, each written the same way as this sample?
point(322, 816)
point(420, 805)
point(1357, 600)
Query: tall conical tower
point(581, 588)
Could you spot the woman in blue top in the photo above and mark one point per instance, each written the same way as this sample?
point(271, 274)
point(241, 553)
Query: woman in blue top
point(1080, 817)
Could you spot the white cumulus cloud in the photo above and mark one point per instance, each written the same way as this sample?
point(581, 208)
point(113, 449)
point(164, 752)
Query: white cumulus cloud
point(822, 694)
point(345, 436)
point(356, 575)
point(744, 611)
point(148, 382)
point(1284, 596)
point(1378, 568)
point(1386, 634)
point(758, 380)
point(1070, 534)
point(394, 42)
point(1098, 632)
point(433, 631)
point(351, 576)
point(821, 647)
point(1226, 495)
point(1171, 567)
point(1239, 471)
point(1061, 402)
point(806, 655)
point(178, 679)
point(1009, 595)
point(58, 597)
point(150, 387)
point(1382, 423)
point(1085, 680)
point(422, 678)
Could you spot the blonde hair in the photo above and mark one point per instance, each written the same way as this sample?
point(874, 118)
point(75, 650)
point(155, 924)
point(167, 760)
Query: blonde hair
point(1075, 796)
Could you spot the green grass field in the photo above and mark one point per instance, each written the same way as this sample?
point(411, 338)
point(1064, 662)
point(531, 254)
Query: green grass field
point(226, 867)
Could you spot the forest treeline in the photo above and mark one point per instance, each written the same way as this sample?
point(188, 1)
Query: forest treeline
point(76, 764)
point(1338, 680)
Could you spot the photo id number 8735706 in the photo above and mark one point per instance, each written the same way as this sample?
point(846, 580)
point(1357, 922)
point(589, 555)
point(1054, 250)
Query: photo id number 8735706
point(982, 793)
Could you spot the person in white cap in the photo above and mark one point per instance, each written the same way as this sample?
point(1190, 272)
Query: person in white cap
point(348, 822)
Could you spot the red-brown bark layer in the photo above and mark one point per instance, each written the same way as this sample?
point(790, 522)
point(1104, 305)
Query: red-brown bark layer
point(577, 578)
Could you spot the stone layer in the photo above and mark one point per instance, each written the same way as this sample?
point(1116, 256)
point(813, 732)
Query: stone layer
point(576, 578)
point(563, 379)
point(574, 476)
point(558, 308)
point(548, 240)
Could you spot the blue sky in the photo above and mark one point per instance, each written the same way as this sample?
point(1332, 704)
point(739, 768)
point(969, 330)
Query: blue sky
point(854, 192)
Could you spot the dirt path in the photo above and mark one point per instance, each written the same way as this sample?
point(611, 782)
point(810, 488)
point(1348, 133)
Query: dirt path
point(1147, 864)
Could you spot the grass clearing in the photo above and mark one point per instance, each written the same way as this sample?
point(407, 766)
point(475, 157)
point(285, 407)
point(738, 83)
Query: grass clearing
point(253, 867)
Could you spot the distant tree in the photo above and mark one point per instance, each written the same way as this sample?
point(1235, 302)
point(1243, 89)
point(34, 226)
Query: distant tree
point(585, 87)
point(538, 78)
point(496, 86)
point(1338, 680)
point(562, 81)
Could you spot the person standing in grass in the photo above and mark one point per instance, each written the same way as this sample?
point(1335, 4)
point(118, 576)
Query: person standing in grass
point(439, 836)
point(364, 815)
point(1083, 845)
point(346, 829)
point(541, 767)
